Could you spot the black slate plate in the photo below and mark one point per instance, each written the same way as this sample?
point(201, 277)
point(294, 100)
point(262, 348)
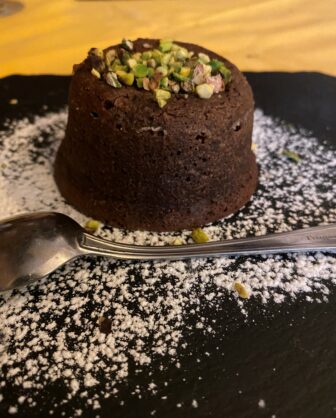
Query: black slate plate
point(287, 358)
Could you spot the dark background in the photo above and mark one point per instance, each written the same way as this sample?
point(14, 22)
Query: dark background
point(284, 354)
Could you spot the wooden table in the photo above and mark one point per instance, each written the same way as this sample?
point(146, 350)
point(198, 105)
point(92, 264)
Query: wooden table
point(260, 35)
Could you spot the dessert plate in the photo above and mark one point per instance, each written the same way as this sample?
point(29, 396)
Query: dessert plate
point(235, 337)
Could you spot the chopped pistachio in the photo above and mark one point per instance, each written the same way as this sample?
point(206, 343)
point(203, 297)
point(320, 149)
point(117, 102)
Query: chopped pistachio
point(187, 86)
point(215, 65)
point(132, 62)
point(92, 225)
point(226, 73)
point(125, 78)
point(199, 236)
point(164, 82)
point(162, 70)
point(140, 70)
point(166, 58)
point(179, 77)
point(125, 57)
point(153, 83)
point(127, 44)
point(150, 72)
point(177, 241)
point(110, 56)
point(205, 91)
point(137, 56)
point(156, 54)
point(145, 83)
point(146, 55)
point(168, 68)
point(112, 80)
point(204, 58)
point(139, 82)
point(162, 96)
point(95, 73)
point(185, 71)
point(175, 88)
point(291, 155)
point(165, 45)
point(241, 290)
point(181, 54)
point(151, 63)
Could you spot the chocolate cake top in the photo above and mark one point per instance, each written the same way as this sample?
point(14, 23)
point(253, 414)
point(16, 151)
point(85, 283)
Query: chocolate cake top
point(161, 66)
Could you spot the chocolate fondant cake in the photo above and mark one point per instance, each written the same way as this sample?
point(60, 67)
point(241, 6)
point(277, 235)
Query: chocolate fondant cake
point(158, 136)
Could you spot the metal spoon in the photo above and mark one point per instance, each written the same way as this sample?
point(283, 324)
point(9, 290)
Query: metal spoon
point(34, 245)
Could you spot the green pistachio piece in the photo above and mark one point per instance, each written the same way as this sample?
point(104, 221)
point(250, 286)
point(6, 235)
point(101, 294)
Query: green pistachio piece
point(181, 54)
point(140, 70)
point(125, 57)
point(127, 44)
point(226, 73)
point(164, 82)
point(205, 91)
point(125, 78)
point(215, 65)
point(156, 54)
point(146, 55)
point(139, 83)
point(291, 155)
point(118, 67)
point(241, 290)
point(151, 63)
point(112, 80)
point(163, 70)
point(150, 72)
point(95, 73)
point(204, 58)
point(110, 56)
point(179, 77)
point(165, 59)
point(165, 45)
point(199, 236)
point(92, 225)
point(137, 56)
point(185, 71)
point(132, 62)
point(162, 96)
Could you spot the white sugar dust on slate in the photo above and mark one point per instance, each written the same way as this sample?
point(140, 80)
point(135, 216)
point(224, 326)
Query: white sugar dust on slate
point(50, 331)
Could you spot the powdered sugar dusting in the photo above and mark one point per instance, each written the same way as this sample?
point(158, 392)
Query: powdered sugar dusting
point(51, 330)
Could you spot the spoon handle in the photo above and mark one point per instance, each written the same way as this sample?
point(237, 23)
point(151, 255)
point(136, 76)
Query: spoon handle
point(320, 238)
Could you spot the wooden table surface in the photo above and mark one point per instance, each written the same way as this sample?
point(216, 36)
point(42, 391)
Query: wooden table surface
point(47, 37)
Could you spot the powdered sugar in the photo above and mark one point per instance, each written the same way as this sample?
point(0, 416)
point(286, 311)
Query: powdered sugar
point(50, 330)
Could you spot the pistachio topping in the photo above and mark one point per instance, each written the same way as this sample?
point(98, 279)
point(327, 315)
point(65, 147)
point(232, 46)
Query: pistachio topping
point(127, 44)
point(205, 91)
point(291, 155)
point(162, 96)
point(95, 73)
point(92, 225)
point(199, 236)
point(241, 290)
point(165, 70)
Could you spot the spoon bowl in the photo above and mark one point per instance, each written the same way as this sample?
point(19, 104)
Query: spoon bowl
point(34, 245)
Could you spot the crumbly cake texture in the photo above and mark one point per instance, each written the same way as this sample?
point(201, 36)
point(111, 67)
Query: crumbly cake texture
point(130, 163)
point(51, 332)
